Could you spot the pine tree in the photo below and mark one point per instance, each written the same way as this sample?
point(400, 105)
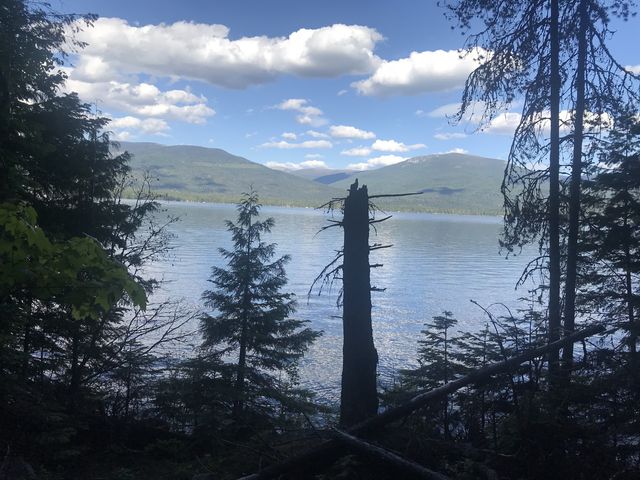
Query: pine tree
point(612, 237)
point(439, 362)
point(251, 314)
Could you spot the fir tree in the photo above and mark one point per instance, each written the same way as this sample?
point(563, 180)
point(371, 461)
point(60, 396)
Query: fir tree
point(612, 237)
point(439, 361)
point(251, 316)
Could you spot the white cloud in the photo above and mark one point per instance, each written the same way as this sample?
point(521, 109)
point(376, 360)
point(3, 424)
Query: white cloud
point(289, 136)
point(443, 111)
point(314, 134)
point(297, 166)
point(457, 150)
point(347, 131)
point(90, 68)
point(342, 92)
point(357, 152)
point(122, 136)
point(382, 161)
point(633, 69)
point(143, 99)
point(307, 144)
point(506, 123)
point(312, 156)
point(205, 52)
point(429, 71)
point(503, 124)
point(122, 126)
point(449, 136)
point(473, 113)
point(393, 146)
point(307, 115)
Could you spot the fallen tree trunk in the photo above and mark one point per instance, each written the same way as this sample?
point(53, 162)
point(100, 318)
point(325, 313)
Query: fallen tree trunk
point(385, 456)
point(331, 449)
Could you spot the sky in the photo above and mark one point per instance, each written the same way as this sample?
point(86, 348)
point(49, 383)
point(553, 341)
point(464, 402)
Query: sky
point(289, 84)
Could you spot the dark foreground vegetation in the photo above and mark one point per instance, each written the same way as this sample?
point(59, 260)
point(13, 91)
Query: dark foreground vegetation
point(96, 382)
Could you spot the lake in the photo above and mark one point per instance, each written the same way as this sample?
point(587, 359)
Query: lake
point(437, 262)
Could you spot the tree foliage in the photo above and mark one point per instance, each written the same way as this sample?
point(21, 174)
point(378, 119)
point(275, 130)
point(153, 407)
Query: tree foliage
point(251, 314)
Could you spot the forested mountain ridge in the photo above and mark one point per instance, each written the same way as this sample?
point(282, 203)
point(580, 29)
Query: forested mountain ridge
point(449, 183)
point(184, 172)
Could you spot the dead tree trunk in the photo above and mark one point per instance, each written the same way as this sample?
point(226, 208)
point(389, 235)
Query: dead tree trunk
point(359, 397)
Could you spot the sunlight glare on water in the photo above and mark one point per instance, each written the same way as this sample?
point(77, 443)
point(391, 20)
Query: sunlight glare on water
point(437, 262)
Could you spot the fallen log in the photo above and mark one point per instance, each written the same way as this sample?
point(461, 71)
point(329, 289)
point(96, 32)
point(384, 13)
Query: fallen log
point(331, 449)
point(415, 470)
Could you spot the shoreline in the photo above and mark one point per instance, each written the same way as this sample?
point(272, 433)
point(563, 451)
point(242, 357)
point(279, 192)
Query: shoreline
point(162, 198)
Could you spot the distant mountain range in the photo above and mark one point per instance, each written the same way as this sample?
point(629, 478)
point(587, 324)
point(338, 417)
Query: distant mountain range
point(212, 175)
point(448, 183)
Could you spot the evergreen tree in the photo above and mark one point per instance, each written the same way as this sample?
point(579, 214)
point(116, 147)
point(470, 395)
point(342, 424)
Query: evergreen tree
point(551, 56)
point(612, 236)
point(251, 314)
point(439, 361)
point(71, 298)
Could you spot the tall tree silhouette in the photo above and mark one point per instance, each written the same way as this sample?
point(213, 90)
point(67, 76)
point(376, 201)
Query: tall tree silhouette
point(527, 54)
point(358, 396)
point(251, 314)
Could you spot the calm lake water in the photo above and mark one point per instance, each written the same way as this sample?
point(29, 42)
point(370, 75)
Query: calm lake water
point(437, 262)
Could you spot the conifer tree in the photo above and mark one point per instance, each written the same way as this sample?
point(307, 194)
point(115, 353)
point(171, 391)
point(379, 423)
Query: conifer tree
point(251, 313)
point(439, 362)
point(612, 236)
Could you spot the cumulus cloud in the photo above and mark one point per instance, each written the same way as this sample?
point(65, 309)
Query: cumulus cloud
point(506, 123)
point(393, 146)
point(307, 114)
point(347, 131)
point(306, 144)
point(633, 69)
point(457, 150)
point(449, 136)
point(123, 126)
point(503, 124)
point(289, 136)
point(473, 113)
point(421, 72)
point(314, 134)
point(443, 111)
point(205, 52)
point(297, 166)
point(357, 152)
point(143, 99)
point(381, 161)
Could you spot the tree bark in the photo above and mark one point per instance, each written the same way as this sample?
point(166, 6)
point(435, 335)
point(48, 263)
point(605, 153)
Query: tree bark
point(554, 192)
point(359, 397)
point(574, 193)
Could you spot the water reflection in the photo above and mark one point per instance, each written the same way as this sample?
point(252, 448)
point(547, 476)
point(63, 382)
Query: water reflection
point(438, 262)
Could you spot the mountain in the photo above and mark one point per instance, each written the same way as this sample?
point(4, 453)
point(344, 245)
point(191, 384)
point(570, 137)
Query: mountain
point(325, 176)
point(213, 175)
point(450, 182)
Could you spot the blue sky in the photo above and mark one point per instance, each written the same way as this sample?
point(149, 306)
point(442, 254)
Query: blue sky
point(357, 84)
